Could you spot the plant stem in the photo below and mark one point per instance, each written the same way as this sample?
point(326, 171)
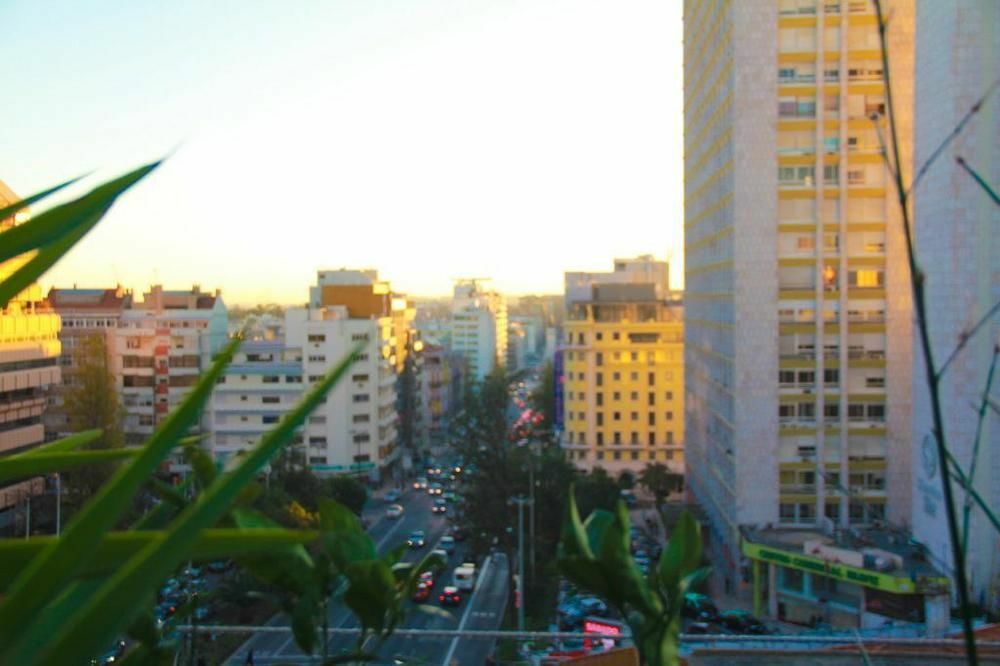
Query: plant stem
point(933, 380)
point(967, 509)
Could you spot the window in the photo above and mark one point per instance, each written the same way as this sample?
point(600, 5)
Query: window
point(618, 455)
point(600, 440)
point(876, 412)
point(616, 395)
point(617, 376)
point(670, 416)
point(634, 356)
point(618, 437)
point(807, 512)
point(600, 418)
point(359, 378)
point(634, 438)
point(243, 398)
point(361, 438)
point(293, 379)
point(361, 418)
point(831, 410)
point(786, 377)
point(652, 419)
point(635, 416)
point(634, 376)
point(786, 513)
point(651, 439)
point(600, 455)
point(670, 437)
point(360, 397)
point(652, 379)
point(269, 418)
point(616, 416)
point(316, 337)
point(317, 441)
point(270, 399)
point(317, 420)
point(599, 378)
point(832, 512)
point(831, 376)
point(359, 337)
point(599, 336)
point(600, 399)
point(791, 579)
point(634, 395)
point(616, 335)
point(599, 358)
point(271, 379)
point(866, 278)
point(669, 395)
point(651, 399)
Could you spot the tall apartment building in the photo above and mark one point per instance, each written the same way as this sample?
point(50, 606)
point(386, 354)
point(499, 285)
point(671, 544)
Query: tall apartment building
point(798, 307)
point(478, 327)
point(85, 313)
point(440, 388)
point(261, 385)
point(956, 223)
point(354, 431)
point(160, 349)
point(622, 370)
point(29, 369)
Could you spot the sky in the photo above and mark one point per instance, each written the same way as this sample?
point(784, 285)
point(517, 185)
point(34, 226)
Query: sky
point(430, 139)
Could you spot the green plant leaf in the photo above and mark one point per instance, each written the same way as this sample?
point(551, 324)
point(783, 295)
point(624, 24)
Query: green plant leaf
point(304, 623)
point(63, 226)
point(201, 463)
point(573, 541)
point(683, 553)
point(117, 547)
point(71, 443)
point(40, 582)
point(7, 211)
point(372, 588)
point(22, 467)
point(114, 603)
point(335, 516)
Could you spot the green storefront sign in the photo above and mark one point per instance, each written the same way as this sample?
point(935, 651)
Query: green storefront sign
point(844, 572)
point(353, 467)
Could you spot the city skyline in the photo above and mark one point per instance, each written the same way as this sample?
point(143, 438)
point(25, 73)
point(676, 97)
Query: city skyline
point(421, 123)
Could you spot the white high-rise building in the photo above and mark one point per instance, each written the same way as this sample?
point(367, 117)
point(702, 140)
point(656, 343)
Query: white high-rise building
point(958, 247)
point(353, 431)
point(478, 327)
point(798, 351)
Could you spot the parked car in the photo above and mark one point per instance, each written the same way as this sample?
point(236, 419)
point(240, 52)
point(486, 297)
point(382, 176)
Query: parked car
point(699, 607)
point(393, 495)
point(700, 628)
point(450, 596)
point(440, 506)
point(394, 511)
point(417, 539)
point(742, 622)
point(116, 652)
point(422, 593)
point(447, 544)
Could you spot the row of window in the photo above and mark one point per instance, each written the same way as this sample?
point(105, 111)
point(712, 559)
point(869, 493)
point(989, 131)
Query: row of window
point(616, 395)
point(616, 416)
point(806, 411)
point(628, 455)
point(644, 338)
point(805, 512)
point(651, 357)
point(581, 438)
point(617, 377)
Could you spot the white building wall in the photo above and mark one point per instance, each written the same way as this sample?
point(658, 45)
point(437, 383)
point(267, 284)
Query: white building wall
point(958, 57)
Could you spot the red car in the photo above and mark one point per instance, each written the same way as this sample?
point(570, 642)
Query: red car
point(423, 593)
point(427, 578)
point(450, 597)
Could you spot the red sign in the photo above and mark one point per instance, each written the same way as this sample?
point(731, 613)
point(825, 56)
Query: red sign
point(597, 627)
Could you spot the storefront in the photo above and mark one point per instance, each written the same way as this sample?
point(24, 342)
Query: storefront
point(818, 588)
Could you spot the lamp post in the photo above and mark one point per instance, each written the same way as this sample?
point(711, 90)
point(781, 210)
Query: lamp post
point(521, 501)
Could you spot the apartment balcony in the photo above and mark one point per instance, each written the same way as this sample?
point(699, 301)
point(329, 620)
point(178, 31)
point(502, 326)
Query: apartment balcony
point(797, 489)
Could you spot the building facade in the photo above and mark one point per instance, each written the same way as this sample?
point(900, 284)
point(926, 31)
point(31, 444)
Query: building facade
point(478, 327)
point(262, 384)
point(622, 372)
point(956, 223)
point(798, 307)
point(85, 314)
point(161, 347)
point(354, 430)
point(29, 370)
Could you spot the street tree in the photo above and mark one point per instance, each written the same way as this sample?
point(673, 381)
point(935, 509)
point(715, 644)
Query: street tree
point(658, 479)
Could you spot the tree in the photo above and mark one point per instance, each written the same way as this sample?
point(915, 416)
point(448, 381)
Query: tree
point(543, 398)
point(597, 490)
point(348, 491)
point(659, 480)
point(91, 402)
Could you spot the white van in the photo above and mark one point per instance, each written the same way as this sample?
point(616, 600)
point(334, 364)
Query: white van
point(465, 577)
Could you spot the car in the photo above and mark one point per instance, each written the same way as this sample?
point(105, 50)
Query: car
point(593, 606)
point(220, 566)
point(701, 628)
point(435, 489)
point(450, 596)
point(393, 496)
point(417, 539)
point(447, 544)
point(631, 501)
point(422, 593)
point(393, 511)
point(742, 622)
point(427, 578)
point(440, 552)
point(449, 496)
point(420, 483)
point(699, 607)
point(116, 652)
point(440, 506)
point(457, 533)
point(191, 572)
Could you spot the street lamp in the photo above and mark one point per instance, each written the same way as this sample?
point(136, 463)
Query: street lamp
point(521, 501)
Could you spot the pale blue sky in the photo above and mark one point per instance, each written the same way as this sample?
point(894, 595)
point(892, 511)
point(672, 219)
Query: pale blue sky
point(430, 139)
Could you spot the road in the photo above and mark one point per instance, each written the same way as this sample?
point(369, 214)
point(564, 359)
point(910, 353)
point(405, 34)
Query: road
point(483, 609)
